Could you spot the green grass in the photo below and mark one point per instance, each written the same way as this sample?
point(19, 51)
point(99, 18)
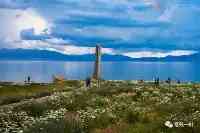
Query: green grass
point(15, 93)
point(57, 126)
point(115, 107)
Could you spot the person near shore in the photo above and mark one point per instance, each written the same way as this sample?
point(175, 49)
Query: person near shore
point(157, 81)
point(88, 82)
point(168, 80)
point(29, 79)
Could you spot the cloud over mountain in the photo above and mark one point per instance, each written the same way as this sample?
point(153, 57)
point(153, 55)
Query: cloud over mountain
point(133, 28)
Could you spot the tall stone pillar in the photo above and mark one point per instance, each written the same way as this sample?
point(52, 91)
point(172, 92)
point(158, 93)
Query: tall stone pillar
point(97, 65)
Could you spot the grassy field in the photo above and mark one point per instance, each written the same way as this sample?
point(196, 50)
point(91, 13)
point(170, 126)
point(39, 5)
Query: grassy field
point(16, 93)
point(115, 107)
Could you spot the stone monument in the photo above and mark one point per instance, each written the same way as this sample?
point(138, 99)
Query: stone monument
point(97, 65)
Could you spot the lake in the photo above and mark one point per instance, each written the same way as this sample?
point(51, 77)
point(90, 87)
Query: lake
point(43, 71)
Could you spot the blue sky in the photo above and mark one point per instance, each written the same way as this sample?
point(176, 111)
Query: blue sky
point(134, 28)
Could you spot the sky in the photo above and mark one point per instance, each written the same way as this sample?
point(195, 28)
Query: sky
point(133, 28)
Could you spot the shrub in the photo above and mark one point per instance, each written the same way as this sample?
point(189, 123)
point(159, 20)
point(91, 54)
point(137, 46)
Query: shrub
point(10, 99)
point(57, 126)
point(102, 121)
point(131, 117)
point(34, 109)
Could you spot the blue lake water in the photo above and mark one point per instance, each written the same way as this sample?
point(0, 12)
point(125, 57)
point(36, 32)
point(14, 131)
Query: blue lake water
point(43, 71)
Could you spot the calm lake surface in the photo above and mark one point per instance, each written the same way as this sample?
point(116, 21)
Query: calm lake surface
point(43, 71)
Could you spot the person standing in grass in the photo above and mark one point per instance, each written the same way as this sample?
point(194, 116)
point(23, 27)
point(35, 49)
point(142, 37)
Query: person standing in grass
point(157, 81)
point(168, 80)
point(29, 79)
point(88, 82)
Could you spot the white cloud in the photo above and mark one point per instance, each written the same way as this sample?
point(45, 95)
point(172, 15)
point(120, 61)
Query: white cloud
point(181, 33)
point(13, 21)
point(12, 4)
point(57, 41)
point(30, 19)
point(60, 46)
point(168, 14)
point(143, 54)
point(66, 49)
point(153, 3)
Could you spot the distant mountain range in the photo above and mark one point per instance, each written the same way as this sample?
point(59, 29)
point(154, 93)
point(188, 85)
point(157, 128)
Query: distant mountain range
point(21, 54)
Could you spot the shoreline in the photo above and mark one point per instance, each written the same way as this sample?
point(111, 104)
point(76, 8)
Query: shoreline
point(81, 80)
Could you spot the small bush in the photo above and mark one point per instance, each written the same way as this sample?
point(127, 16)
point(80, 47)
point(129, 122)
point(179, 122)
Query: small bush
point(102, 121)
point(78, 101)
point(34, 109)
point(57, 126)
point(132, 117)
point(10, 99)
